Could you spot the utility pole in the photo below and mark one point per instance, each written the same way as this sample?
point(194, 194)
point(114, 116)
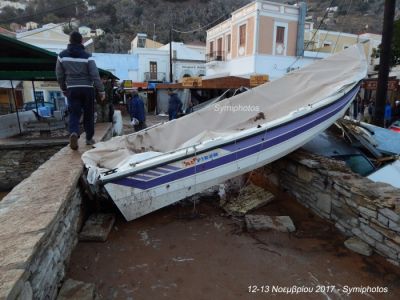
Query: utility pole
point(170, 54)
point(387, 34)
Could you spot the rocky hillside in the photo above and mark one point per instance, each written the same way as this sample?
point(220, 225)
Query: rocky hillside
point(123, 19)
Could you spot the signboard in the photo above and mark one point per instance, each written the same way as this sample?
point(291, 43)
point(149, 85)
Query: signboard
point(192, 82)
point(127, 84)
point(142, 85)
point(256, 80)
point(372, 84)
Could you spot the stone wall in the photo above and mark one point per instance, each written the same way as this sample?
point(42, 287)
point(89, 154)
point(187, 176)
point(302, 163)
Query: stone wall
point(356, 205)
point(9, 123)
point(39, 220)
point(18, 163)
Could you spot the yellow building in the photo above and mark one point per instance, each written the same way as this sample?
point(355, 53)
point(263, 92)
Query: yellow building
point(331, 42)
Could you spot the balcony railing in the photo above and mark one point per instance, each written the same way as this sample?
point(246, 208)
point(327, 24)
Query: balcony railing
point(215, 56)
point(153, 76)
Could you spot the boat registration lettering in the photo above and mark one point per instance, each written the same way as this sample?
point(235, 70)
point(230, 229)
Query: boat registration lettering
point(200, 159)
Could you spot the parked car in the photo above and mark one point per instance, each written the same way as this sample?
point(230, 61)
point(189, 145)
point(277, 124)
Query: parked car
point(328, 145)
point(395, 126)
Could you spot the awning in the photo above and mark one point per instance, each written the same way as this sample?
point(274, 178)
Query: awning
point(6, 84)
point(229, 82)
point(22, 61)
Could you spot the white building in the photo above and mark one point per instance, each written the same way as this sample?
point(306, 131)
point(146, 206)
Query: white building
point(186, 61)
point(154, 60)
point(50, 37)
point(260, 38)
point(124, 66)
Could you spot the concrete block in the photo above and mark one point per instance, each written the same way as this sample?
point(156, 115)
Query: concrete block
point(358, 246)
point(324, 202)
point(394, 226)
point(305, 174)
point(383, 220)
point(260, 222)
point(97, 227)
point(370, 241)
point(386, 251)
point(73, 289)
point(371, 232)
point(367, 213)
point(390, 214)
point(251, 197)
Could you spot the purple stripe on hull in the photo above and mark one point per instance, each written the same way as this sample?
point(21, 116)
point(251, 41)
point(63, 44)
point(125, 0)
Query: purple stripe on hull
point(153, 173)
point(171, 168)
point(162, 171)
point(265, 140)
point(142, 177)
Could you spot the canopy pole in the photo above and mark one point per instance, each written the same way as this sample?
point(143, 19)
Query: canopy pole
point(16, 108)
point(34, 97)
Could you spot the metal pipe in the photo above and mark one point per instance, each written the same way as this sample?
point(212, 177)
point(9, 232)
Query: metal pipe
point(170, 55)
point(34, 97)
point(16, 108)
point(387, 34)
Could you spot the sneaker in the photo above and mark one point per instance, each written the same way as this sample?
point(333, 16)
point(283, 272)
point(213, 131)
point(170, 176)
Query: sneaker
point(90, 142)
point(73, 141)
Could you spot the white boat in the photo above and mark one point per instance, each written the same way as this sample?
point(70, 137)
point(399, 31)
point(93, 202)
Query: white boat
point(148, 170)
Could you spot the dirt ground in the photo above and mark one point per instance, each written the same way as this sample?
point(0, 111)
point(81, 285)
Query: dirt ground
point(170, 254)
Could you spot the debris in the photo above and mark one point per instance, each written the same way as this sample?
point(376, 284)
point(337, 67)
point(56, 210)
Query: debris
point(73, 289)
point(356, 245)
point(97, 227)
point(260, 222)
point(250, 197)
point(181, 259)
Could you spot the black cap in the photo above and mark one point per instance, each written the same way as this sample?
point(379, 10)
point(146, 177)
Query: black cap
point(75, 38)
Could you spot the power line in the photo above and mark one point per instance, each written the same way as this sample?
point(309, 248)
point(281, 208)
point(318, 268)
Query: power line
point(202, 27)
point(315, 32)
point(347, 11)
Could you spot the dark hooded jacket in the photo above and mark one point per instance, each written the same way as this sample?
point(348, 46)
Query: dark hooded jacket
point(76, 68)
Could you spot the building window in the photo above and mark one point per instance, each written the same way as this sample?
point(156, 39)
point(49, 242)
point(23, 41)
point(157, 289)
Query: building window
point(242, 35)
point(141, 43)
point(219, 46)
point(39, 96)
point(211, 49)
point(153, 70)
point(228, 43)
point(280, 35)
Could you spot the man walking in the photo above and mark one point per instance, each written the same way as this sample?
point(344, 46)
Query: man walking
point(76, 74)
point(136, 111)
point(174, 105)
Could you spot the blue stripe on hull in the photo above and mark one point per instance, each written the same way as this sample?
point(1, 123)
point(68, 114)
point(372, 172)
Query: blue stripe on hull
point(246, 147)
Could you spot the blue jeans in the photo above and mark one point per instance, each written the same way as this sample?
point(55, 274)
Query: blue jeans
point(81, 99)
point(172, 115)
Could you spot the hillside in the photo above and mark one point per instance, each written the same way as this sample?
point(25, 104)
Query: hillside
point(123, 19)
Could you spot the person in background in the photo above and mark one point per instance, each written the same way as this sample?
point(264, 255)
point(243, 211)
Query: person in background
point(105, 109)
point(388, 114)
point(174, 105)
point(371, 111)
point(137, 111)
point(76, 74)
point(396, 113)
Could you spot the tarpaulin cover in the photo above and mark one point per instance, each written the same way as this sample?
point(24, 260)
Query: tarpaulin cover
point(262, 104)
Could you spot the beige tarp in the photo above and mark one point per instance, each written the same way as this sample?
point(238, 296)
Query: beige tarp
point(257, 106)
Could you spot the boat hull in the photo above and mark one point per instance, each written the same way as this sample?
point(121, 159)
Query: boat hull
point(139, 194)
